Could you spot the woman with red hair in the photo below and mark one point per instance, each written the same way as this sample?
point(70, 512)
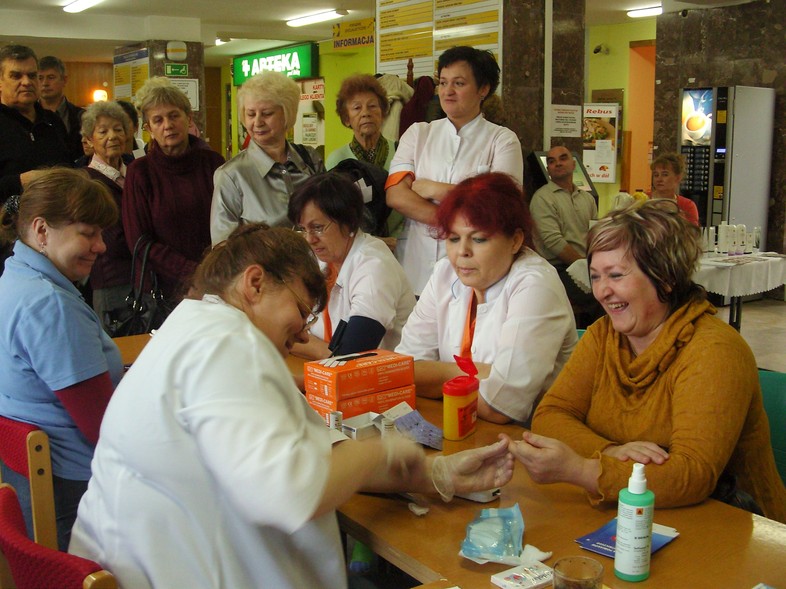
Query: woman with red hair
point(492, 299)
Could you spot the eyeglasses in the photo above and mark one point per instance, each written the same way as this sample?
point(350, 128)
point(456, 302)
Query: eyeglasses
point(313, 231)
point(305, 310)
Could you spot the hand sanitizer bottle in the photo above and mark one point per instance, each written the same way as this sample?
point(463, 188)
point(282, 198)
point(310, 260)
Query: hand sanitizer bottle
point(634, 528)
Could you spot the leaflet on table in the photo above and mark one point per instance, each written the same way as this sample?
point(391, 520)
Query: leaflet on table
point(603, 540)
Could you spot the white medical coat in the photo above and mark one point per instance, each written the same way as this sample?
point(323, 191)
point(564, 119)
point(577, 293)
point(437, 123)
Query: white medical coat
point(209, 465)
point(525, 330)
point(436, 151)
point(371, 284)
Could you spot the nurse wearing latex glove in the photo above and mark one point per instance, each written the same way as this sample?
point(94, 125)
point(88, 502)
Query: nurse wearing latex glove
point(473, 470)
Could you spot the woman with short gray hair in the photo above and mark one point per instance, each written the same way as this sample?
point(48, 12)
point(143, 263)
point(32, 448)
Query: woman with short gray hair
point(255, 185)
point(106, 126)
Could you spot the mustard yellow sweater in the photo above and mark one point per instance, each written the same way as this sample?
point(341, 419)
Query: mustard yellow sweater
point(694, 391)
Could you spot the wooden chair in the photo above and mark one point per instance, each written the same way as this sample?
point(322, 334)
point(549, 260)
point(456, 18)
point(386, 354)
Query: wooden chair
point(32, 566)
point(24, 448)
point(773, 391)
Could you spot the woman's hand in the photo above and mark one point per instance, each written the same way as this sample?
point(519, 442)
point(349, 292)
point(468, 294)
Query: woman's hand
point(550, 461)
point(644, 452)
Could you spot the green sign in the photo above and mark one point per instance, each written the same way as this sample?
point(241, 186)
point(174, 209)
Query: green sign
point(176, 70)
point(296, 61)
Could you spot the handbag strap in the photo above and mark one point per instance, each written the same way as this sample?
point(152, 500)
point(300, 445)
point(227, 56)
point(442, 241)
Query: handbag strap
point(141, 251)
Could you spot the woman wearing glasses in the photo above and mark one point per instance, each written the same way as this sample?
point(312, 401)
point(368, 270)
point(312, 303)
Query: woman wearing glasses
point(211, 456)
point(369, 298)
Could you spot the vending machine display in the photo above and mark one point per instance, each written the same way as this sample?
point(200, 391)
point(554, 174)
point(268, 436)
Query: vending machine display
point(726, 140)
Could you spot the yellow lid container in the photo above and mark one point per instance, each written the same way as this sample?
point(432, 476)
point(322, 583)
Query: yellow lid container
point(460, 403)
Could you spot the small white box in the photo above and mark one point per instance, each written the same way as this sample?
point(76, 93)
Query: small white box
point(361, 426)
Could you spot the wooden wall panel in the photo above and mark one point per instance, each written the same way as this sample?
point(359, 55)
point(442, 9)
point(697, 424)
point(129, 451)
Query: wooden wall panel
point(84, 78)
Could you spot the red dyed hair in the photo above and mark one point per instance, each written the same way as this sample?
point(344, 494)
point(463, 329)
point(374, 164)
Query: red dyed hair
point(493, 203)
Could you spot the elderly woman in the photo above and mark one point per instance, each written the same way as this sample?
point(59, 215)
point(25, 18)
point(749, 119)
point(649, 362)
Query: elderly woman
point(494, 300)
point(368, 288)
point(57, 366)
point(167, 193)
point(255, 185)
point(106, 127)
point(433, 157)
point(362, 104)
point(660, 380)
point(232, 458)
point(667, 172)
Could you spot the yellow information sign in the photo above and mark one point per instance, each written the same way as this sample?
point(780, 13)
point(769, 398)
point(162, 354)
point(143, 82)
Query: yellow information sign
point(359, 33)
point(491, 38)
point(408, 44)
point(443, 4)
point(467, 19)
point(413, 14)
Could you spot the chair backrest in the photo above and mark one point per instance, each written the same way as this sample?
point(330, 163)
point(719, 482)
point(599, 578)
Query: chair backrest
point(24, 448)
point(33, 566)
point(773, 391)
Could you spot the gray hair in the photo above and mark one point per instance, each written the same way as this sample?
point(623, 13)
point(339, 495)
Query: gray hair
point(50, 62)
point(111, 110)
point(272, 87)
point(159, 91)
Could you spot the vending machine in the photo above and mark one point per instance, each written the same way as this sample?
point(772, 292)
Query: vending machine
point(726, 139)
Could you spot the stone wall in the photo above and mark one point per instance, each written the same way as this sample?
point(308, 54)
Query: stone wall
point(523, 67)
point(737, 45)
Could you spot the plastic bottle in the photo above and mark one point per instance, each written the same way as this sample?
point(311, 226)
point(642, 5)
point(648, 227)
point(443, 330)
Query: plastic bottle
point(634, 528)
point(639, 194)
point(460, 402)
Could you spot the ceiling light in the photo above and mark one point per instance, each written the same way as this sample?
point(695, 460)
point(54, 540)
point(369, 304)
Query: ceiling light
point(315, 18)
point(642, 12)
point(220, 41)
point(81, 5)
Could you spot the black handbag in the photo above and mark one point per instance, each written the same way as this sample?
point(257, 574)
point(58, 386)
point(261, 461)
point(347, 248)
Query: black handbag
point(146, 310)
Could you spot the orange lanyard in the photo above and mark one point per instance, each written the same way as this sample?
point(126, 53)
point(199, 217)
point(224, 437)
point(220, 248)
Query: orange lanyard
point(330, 282)
point(469, 328)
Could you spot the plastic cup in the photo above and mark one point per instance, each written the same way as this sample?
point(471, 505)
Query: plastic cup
point(578, 572)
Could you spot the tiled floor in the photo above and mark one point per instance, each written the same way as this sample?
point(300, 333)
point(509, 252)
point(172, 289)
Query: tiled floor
point(764, 328)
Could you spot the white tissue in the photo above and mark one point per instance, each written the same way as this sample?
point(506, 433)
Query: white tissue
point(528, 555)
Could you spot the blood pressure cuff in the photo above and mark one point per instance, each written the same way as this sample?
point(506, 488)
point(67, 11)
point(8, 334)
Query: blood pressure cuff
point(359, 335)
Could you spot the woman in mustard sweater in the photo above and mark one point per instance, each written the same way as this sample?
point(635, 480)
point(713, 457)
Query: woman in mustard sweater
point(659, 380)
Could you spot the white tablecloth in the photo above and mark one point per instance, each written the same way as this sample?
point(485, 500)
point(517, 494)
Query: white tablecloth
point(731, 276)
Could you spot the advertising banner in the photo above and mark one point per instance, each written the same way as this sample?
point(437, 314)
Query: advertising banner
point(600, 135)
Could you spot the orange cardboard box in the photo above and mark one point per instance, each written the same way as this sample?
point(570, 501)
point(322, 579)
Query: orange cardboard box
point(376, 402)
point(344, 377)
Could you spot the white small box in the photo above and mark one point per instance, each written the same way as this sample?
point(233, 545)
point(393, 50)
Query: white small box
point(361, 426)
point(531, 576)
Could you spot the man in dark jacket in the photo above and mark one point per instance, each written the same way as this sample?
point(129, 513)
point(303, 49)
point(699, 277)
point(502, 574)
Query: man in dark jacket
point(31, 137)
point(52, 79)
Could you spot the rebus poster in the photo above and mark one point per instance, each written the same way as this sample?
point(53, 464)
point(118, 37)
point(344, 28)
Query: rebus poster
point(599, 133)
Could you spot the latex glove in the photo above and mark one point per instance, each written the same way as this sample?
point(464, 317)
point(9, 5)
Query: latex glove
point(478, 469)
point(403, 456)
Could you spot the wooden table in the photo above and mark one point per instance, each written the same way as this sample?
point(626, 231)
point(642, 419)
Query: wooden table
point(719, 546)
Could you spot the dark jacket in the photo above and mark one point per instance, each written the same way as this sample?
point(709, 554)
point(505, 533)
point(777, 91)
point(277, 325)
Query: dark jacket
point(74, 130)
point(26, 146)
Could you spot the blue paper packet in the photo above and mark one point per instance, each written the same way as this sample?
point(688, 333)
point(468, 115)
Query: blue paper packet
point(603, 540)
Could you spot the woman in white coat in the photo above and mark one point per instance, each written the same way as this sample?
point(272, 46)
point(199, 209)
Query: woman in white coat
point(433, 157)
point(492, 299)
point(369, 298)
point(212, 470)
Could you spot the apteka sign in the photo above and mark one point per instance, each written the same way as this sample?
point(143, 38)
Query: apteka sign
point(296, 61)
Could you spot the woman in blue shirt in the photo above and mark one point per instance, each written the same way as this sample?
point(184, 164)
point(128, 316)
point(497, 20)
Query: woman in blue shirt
point(57, 366)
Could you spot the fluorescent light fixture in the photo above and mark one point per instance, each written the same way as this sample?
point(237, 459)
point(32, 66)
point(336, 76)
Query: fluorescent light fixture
point(81, 5)
point(315, 18)
point(220, 41)
point(642, 12)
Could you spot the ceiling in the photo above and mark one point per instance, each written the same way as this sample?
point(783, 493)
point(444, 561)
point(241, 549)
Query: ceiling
point(92, 36)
